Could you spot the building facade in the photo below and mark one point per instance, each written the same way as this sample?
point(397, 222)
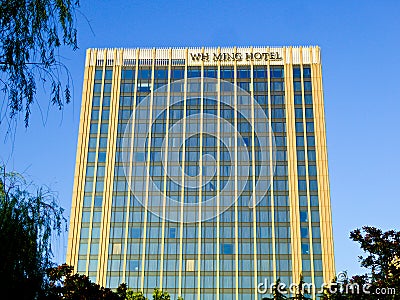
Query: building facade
point(202, 171)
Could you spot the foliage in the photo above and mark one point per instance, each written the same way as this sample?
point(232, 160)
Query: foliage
point(382, 259)
point(28, 221)
point(301, 291)
point(65, 285)
point(383, 253)
point(277, 291)
point(32, 31)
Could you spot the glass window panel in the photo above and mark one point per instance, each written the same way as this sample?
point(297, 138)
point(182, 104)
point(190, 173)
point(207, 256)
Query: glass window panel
point(303, 216)
point(304, 232)
point(98, 74)
point(296, 72)
point(108, 75)
point(299, 141)
point(308, 99)
point(307, 72)
point(305, 249)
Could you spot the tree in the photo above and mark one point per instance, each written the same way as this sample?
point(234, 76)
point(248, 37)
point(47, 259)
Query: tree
point(383, 253)
point(32, 32)
point(382, 259)
point(67, 286)
point(300, 293)
point(277, 291)
point(29, 216)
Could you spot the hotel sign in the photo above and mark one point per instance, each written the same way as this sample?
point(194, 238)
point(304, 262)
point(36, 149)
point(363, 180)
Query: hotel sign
point(225, 56)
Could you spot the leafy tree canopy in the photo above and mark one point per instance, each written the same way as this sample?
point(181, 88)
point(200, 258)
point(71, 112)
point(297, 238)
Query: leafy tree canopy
point(29, 216)
point(31, 33)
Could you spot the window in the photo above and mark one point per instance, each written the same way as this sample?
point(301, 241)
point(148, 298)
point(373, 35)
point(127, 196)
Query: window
point(172, 233)
point(310, 141)
point(280, 185)
point(98, 75)
point(88, 185)
point(98, 201)
point(101, 171)
point(128, 74)
point(309, 113)
point(107, 88)
point(276, 72)
point(280, 170)
point(298, 113)
point(104, 128)
point(226, 249)
point(95, 232)
point(301, 170)
point(116, 248)
point(307, 86)
point(297, 86)
point(277, 86)
point(303, 201)
point(106, 101)
point(314, 200)
point(307, 72)
point(304, 232)
point(93, 128)
point(92, 265)
point(161, 74)
point(90, 171)
point(108, 75)
point(95, 114)
point(97, 216)
point(81, 266)
point(315, 216)
point(306, 265)
point(305, 249)
point(312, 171)
point(296, 72)
point(300, 155)
point(317, 248)
point(299, 127)
point(308, 99)
point(83, 249)
point(193, 73)
point(102, 157)
point(299, 141)
point(303, 216)
point(298, 99)
point(99, 186)
point(135, 233)
point(311, 154)
point(317, 265)
point(133, 265)
point(280, 155)
point(282, 216)
point(103, 143)
point(94, 248)
point(310, 126)
point(96, 101)
point(97, 87)
point(259, 73)
point(280, 141)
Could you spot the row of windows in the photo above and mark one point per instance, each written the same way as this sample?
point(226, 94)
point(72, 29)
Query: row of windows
point(178, 73)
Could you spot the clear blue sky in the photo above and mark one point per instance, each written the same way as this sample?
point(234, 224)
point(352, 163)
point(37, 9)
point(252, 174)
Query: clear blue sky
point(361, 68)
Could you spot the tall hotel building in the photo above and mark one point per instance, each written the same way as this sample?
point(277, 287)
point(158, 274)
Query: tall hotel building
point(202, 171)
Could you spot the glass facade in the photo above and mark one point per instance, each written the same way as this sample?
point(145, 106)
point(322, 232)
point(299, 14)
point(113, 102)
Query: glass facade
point(202, 177)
